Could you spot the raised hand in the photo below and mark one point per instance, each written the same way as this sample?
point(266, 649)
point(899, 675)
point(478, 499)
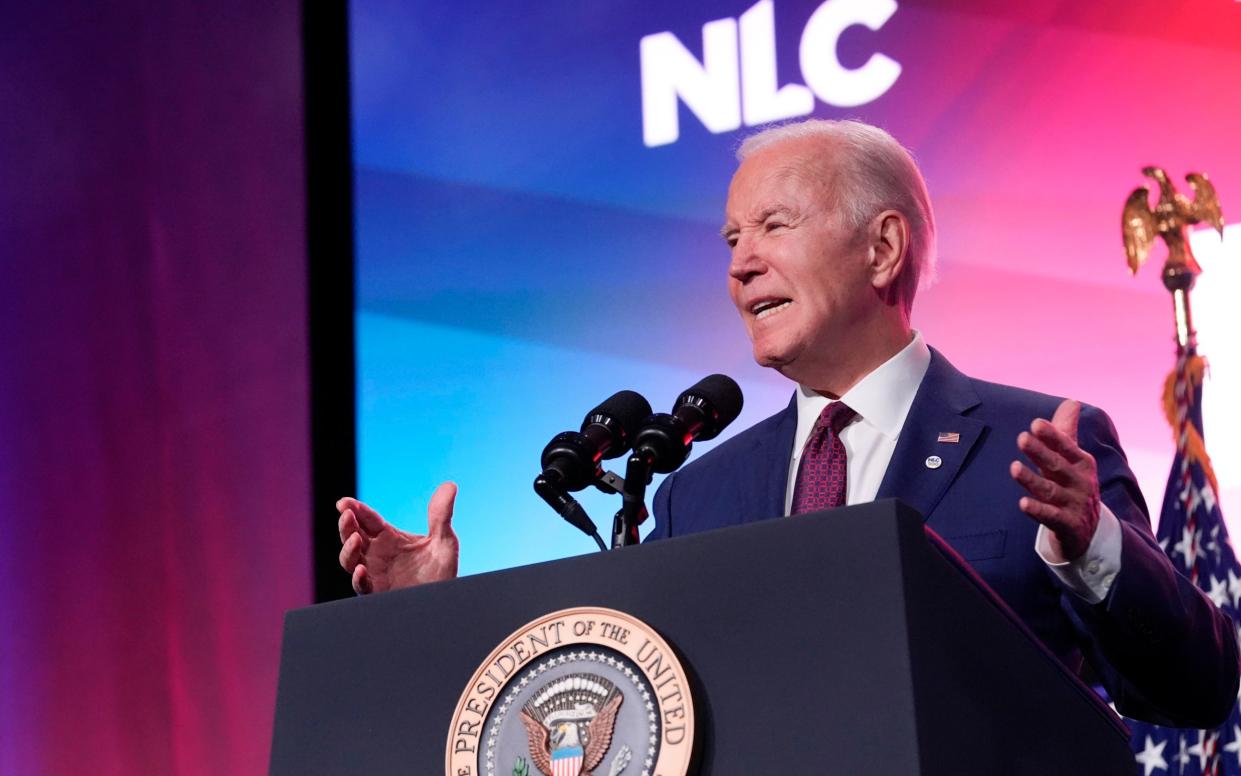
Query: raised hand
point(382, 557)
point(1064, 494)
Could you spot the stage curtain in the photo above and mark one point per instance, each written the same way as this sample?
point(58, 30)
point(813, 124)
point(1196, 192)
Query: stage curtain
point(154, 442)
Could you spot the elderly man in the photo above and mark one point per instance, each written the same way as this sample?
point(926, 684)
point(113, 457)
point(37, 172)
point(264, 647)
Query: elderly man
point(831, 231)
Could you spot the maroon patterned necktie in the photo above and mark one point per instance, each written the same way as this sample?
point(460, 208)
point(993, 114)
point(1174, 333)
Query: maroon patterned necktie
point(822, 476)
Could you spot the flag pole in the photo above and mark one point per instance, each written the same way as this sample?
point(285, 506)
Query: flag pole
point(1180, 281)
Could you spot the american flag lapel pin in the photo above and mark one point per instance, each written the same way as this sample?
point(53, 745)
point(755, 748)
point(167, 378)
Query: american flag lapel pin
point(949, 437)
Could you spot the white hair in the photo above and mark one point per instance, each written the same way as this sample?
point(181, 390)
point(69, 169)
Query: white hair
point(876, 173)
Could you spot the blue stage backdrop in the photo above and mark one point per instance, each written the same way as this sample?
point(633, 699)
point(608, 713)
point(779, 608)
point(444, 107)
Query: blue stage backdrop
point(540, 189)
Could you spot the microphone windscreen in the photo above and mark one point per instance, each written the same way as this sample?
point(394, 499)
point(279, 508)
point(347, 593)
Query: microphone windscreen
point(623, 411)
point(719, 393)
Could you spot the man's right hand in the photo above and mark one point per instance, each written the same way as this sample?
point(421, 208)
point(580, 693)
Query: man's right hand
point(382, 557)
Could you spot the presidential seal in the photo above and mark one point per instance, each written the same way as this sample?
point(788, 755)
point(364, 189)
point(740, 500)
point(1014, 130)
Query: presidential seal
point(579, 692)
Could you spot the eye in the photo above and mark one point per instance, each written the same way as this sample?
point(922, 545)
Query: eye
point(773, 225)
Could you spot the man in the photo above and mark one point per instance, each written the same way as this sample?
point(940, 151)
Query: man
point(831, 231)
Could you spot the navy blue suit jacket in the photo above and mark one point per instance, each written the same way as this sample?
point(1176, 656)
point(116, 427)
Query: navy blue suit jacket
point(1164, 652)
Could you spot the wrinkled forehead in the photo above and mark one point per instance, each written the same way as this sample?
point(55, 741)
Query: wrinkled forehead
point(784, 176)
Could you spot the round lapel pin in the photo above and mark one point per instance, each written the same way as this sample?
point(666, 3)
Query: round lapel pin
point(934, 462)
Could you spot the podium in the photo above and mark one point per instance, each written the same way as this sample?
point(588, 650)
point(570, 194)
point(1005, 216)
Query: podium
point(843, 642)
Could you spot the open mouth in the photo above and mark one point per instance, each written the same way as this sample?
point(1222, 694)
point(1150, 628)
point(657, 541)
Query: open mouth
point(768, 307)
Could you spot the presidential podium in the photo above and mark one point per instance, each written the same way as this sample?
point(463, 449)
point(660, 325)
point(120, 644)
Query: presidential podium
point(843, 642)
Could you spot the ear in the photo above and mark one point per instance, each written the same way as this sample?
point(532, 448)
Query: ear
point(889, 250)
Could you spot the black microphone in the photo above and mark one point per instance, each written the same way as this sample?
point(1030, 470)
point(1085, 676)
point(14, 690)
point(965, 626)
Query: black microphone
point(700, 413)
point(572, 458)
point(663, 442)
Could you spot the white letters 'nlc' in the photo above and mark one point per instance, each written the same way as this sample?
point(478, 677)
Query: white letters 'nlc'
point(724, 89)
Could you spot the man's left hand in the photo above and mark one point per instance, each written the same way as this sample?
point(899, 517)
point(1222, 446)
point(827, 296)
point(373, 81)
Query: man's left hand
point(1064, 494)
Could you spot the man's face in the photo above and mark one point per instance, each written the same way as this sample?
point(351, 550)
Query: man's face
point(798, 275)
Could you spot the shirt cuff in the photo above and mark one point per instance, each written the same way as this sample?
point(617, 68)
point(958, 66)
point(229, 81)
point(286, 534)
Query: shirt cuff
point(1091, 576)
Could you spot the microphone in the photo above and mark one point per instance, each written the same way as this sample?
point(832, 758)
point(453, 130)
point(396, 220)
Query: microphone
point(700, 413)
point(663, 443)
point(572, 458)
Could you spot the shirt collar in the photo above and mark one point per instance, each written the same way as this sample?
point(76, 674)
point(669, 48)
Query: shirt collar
point(882, 398)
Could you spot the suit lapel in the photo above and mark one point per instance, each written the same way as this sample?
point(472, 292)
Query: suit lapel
point(770, 459)
point(914, 475)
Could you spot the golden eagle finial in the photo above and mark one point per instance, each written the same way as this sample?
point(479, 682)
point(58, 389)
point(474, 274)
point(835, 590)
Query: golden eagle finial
point(1169, 219)
point(1140, 224)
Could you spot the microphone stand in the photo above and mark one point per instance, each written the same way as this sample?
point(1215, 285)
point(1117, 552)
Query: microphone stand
point(633, 496)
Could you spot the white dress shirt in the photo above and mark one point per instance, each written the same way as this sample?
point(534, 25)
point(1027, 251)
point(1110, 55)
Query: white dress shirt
point(882, 400)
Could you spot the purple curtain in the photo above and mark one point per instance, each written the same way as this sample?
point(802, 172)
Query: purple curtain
point(154, 442)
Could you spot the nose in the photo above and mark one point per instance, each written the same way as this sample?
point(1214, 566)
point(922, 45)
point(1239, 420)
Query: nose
point(746, 263)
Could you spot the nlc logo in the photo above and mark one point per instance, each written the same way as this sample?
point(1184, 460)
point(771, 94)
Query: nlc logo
point(723, 92)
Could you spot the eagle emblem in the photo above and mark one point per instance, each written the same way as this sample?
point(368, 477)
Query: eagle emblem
point(1141, 224)
point(569, 724)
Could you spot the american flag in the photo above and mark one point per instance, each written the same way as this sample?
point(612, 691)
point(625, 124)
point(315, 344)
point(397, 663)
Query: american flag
point(1192, 533)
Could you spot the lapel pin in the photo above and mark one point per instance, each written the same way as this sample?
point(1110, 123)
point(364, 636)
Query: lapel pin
point(934, 462)
point(950, 437)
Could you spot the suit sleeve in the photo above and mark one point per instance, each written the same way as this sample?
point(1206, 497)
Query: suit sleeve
point(1165, 653)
